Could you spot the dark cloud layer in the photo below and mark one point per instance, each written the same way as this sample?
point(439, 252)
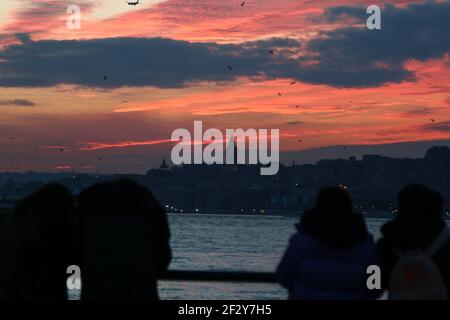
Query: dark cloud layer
point(345, 57)
point(418, 31)
point(156, 62)
point(17, 102)
point(371, 57)
point(439, 126)
point(294, 123)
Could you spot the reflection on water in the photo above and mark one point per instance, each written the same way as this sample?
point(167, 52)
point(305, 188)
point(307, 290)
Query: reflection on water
point(229, 243)
point(226, 243)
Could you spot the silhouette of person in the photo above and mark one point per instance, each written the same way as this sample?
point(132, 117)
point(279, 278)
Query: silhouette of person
point(327, 258)
point(124, 241)
point(37, 246)
point(418, 224)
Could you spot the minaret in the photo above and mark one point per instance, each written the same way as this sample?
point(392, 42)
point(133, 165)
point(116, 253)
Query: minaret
point(164, 165)
point(231, 148)
point(235, 150)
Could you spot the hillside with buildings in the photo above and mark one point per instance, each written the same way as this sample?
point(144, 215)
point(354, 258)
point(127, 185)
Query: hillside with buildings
point(373, 182)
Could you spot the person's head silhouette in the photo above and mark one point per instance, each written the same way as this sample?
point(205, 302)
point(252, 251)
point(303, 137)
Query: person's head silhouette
point(334, 200)
point(418, 201)
point(333, 220)
point(124, 241)
point(37, 246)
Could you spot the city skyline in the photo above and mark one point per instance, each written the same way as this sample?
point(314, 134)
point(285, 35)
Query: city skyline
point(373, 181)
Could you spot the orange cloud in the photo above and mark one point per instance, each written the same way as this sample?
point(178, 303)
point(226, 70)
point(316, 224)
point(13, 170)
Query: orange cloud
point(91, 146)
point(62, 167)
point(208, 20)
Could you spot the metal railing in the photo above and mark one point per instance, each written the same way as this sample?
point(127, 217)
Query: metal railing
point(218, 276)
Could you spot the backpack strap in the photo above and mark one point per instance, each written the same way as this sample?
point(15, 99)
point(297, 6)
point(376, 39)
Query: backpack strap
point(442, 238)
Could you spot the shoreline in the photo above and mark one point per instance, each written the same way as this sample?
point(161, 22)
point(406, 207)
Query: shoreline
point(369, 215)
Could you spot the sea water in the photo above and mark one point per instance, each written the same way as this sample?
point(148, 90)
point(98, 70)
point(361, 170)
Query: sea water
point(229, 243)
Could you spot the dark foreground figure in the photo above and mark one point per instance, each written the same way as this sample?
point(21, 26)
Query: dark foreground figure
point(124, 237)
point(419, 231)
point(37, 246)
point(328, 257)
point(119, 238)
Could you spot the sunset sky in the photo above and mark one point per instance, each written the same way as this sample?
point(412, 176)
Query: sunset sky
point(166, 63)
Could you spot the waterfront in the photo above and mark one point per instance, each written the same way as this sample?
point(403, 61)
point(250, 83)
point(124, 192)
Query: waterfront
point(230, 243)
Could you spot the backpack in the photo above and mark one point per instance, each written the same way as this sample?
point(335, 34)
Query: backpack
point(415, 276)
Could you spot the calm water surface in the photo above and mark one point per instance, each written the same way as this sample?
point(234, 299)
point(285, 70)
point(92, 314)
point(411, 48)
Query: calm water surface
point(227, 243)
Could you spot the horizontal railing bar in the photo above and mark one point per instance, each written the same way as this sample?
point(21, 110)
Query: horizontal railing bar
point(218, 276)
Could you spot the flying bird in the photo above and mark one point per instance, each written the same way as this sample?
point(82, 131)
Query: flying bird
point(432, 120)
point(61, 149)
point(293, 82)
point(230, 68)
point(243, 3)
point(133, 3)
point(299, 140)
point(279, 94)
point(105, 77)
point(271, 52)
point(10, 138)
point(296, 107)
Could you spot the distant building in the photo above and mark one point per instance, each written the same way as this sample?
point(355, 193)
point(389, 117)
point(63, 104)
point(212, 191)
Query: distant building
point(438, 154)
point(373, 181)
point(164, 165)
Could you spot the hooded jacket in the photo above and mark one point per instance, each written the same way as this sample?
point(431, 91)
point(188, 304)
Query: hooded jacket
point(328, 257)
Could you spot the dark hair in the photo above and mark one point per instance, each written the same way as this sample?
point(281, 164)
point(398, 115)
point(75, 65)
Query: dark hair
point(119, 196)
point(334, 200)
point(333, 220)
point(416, 200)
point(37, 244)
point(124, 234)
